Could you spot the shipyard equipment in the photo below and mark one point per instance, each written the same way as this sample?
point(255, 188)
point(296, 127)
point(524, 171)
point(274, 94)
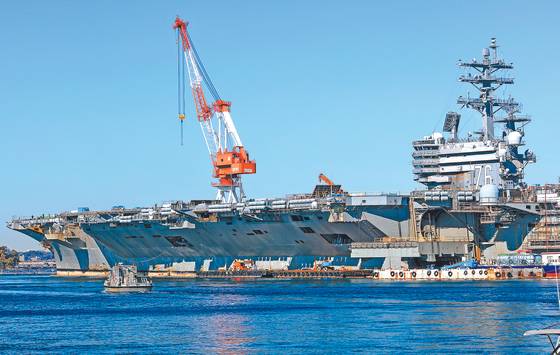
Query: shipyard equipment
point(325, 179)
point(326, 187)
point(229, 158)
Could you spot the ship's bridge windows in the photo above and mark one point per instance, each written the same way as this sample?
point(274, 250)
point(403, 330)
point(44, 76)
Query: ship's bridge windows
point(307, 229)
point(337, 238)
point(156, 236)
point(178, 241)
point(258, 231)
point(299, 241)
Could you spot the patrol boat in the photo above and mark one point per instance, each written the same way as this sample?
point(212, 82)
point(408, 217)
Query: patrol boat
point(125, 278)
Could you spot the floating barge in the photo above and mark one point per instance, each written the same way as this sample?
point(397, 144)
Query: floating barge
point(482, 273)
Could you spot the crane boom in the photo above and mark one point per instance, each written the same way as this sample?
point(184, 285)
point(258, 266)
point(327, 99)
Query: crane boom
point(325, 179)
point(229, 158)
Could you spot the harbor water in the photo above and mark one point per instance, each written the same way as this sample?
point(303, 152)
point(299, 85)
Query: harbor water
point(46, 314)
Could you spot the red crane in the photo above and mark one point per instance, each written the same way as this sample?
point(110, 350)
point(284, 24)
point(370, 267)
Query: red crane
point(325, 179)
point(229, 158)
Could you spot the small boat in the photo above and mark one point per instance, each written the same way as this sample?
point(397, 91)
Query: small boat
point(550, 333)
point(126, 278)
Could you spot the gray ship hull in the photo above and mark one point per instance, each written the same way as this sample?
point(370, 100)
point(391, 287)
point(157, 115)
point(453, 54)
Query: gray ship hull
point(281, 243)
point(276, 240)
point(288, 239)
point(80, 255)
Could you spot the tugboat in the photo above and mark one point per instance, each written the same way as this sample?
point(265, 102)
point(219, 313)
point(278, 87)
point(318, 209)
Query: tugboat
point(125, 278)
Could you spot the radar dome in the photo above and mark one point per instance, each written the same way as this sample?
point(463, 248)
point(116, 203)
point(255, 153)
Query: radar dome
point(514, 138)
point(489, 194)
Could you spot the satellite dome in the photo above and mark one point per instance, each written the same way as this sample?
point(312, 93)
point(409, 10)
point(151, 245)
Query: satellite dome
point(514, 138)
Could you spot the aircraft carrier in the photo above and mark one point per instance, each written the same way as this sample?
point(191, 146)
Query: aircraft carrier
point(474, 205)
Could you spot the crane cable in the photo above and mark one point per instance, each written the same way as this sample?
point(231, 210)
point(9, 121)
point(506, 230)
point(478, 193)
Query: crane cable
point(182, 81)
point(181, 88)
point(205, 75)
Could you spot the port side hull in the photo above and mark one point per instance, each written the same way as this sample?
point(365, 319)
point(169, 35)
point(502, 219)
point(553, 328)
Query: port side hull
point(79, 255)
point(277, 240)
point(272, 241)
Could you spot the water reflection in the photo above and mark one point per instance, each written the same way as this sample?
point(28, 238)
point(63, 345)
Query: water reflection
point(224, 316)
point(228, 330)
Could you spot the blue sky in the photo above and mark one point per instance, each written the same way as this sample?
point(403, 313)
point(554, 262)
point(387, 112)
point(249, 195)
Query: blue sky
point(88, 111)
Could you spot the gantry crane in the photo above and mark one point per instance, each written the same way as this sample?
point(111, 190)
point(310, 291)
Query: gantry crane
point(229, 158)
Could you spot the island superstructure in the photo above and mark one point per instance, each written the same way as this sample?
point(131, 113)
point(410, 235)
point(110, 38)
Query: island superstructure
point(475, 190)
point(483, 158)
point(475, 204)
